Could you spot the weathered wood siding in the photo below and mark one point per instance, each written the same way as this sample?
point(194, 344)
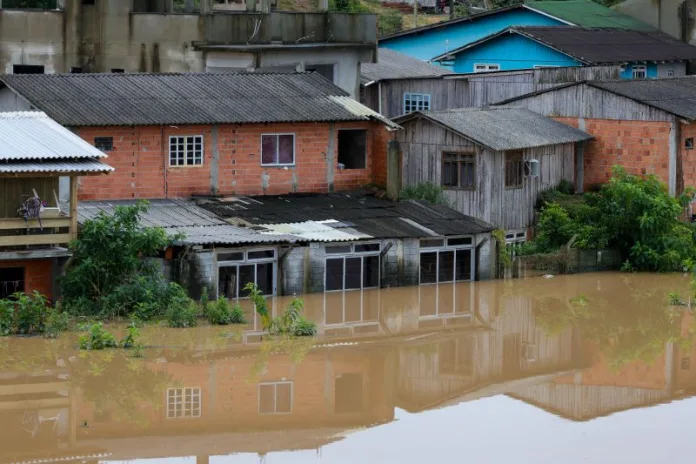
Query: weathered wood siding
point(422, 145)
point(13, 192)
point(583, 101)
point(583, 402)
point(444, 94)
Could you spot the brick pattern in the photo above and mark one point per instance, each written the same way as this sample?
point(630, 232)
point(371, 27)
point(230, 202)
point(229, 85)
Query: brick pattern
point(141, 158)
point(379, 162)
point(38, 275)
point(688, 156)
point(641, 147)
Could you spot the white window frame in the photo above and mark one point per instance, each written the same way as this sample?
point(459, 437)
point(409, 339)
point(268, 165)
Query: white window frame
point(275, 397)
point(180, 393)
point(515, 238)
point(542, 66)
point(444, 248)
point(277, 155)
point(414, 101)
point(246, 261)
point(670, 72)
point(196, 140)
point(486, 67)
point(354, 254)
point(639, 69)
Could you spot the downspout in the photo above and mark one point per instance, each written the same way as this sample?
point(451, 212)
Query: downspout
point(379, 97)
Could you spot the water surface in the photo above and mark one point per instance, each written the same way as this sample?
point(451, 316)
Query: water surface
point(586, 368)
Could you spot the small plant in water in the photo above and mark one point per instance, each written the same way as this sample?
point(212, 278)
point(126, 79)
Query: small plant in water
point(138, 351)
point(182, 313)
point(132, 335)
point(580, 300)
point(675, 299)
point(291, 322)
point(57, 321)
point(97, 338)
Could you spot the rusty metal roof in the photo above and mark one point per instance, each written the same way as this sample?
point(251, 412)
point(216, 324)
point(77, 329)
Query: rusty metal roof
point(502, 128)
point(188, 98)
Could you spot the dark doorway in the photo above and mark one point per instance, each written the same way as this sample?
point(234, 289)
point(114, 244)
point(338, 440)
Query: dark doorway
point(352, 148)
point(11, 281)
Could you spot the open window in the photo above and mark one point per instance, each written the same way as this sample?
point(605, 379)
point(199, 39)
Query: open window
point(11, 281)
point(514, 169)
point(236, 268)
point(27, 69)
point(352, 149)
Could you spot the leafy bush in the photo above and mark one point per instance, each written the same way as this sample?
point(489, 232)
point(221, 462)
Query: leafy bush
point(237, 315)
point(131, 338)
point(424, 191)
point(30, 313)
point(290, 322)
point(304, 328)
point(6, 317)
point(57, 321)
point(566, 187)
point(97, 338)
point(221, 312)
point(182, 313)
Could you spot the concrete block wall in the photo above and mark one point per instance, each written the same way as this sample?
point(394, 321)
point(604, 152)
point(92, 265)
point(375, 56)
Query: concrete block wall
point(232, 161)
point(198, 269)
point(486, 256)
point(293, 269)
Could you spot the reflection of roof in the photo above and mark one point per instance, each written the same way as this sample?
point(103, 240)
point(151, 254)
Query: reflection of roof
point(199, 226)
point(68, 456)
point(351, 216)
point(31, 142)
point(188, 98)
point(395, 65)
point(512, 129)
point(587, 402)
point(673, 95)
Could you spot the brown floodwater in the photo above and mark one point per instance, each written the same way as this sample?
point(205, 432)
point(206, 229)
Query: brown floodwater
point(584, 368)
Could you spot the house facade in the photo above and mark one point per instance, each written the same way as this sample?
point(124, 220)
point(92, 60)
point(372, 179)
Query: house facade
point(40, 163)
point(177, 135)
point(645, 126)
point(425, 43)
point(640, 54)
point(157, 36)
point(491, 164)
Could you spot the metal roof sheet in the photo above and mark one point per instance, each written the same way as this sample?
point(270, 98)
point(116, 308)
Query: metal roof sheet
point(509, 129)
point(324, 231)
point(587, 13)
point(394, 65)
point(199, 226)
point(57, 166)
point(33, 135)
point(188, 98)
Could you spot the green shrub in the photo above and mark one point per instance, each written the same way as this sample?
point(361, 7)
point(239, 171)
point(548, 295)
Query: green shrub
point(566, 187)
point(57, 321)
point(182, 313)
point(237, 315)
point(204, 300)
point(30, 313)
point(219, 312)
point(97, 338)
point(131, 338)
point(7, 308)
point(431, 193)
point(304, 328)
point(675, 299)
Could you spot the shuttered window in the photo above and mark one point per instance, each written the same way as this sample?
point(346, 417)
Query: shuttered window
point(458, 171)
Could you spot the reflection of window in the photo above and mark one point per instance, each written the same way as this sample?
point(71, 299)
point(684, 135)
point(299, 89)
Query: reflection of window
point(278, 149)
point(456, 357)
point(11, 281)
point(275, 398)
point(349, 393)
point(514, 169)
point(357, 268)
point(416, 102)
point(459, 171)
point(352, 149)
point(354, 308)
point(238, 268)
point(183, 402)
point(514, 239)
point(186, 150)
point(448, 263)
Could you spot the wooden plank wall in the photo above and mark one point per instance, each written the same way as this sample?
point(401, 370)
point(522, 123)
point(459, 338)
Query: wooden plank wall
point(14, 191)
point(444, 94)
point(422, 145)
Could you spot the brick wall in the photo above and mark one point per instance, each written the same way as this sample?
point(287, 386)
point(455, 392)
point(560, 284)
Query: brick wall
point(381, 137)
point(688, 156)
point(143, 171)
point(38, 275)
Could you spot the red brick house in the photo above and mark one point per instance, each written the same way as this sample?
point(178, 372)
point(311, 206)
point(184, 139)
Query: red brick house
point(177, 135)
point(647, 126)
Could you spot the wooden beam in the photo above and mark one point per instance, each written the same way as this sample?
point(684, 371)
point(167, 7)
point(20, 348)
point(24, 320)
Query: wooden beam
point(73, 207)
point(42, 239)
point(19, 223)
point(26, 389)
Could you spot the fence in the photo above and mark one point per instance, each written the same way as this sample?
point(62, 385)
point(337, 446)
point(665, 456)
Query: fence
point(566, 261)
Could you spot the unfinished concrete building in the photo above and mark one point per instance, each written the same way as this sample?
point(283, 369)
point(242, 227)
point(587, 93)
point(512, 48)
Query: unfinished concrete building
point(185, 36)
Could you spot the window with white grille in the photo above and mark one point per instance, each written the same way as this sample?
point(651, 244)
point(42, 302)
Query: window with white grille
point(485, 67)
point(183, 402)
point(186, 150)
point(416, 102)
point(639, 71)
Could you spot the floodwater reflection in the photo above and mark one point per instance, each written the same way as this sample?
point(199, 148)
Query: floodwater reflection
point(573, 348)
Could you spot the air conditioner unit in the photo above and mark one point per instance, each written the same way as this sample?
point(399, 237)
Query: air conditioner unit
point(531, 168)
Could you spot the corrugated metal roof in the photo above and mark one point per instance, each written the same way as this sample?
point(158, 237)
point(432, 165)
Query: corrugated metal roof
point(190, 98)
point(509, 129)
point(58, 166)
point(608, 45)
point(394, 65)
point(356, 214)
point(325, 231)
point(587, 13)
point(199, 226)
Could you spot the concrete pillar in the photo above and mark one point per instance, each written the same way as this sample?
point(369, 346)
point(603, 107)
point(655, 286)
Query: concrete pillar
point(215, 162)
point(393, 169)
point(330, 157)
point(206, 6)
point(189, 6)
point(251, 5)
point(674, 139)
point(580, 161)
point(323, 5)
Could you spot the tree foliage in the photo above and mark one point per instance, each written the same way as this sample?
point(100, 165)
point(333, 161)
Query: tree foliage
point(633, 214)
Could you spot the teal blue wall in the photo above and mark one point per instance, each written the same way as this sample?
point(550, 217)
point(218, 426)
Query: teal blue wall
point(431, 43)
point(628, 72)
point(511, 51)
